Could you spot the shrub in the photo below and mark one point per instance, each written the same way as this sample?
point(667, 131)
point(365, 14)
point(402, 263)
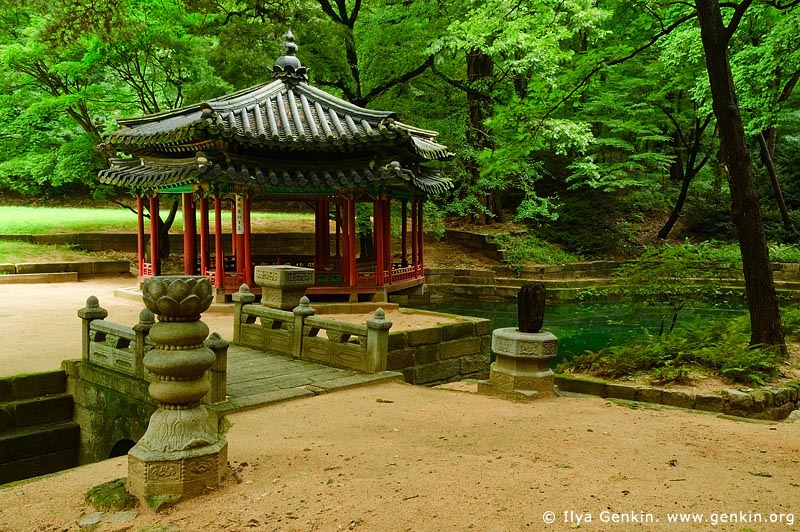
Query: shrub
point(528, 249)
point(719, 348)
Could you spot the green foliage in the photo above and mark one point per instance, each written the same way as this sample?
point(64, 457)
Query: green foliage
point(588, 119)
point(587, 222)
point(670, 276)
point(699, 347)
point(790, 320)
point(433, 219)
point(528, 249)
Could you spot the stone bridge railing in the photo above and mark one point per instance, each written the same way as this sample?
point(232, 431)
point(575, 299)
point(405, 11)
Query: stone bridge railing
point(303, 335)
point(122, 349)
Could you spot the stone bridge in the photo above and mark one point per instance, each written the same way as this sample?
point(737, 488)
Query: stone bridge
point(98, 406)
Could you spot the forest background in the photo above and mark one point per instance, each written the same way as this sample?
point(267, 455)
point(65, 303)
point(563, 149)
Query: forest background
point(590, 123)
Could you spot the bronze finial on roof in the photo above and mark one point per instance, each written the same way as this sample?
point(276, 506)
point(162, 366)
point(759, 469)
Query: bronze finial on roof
point(288, 65)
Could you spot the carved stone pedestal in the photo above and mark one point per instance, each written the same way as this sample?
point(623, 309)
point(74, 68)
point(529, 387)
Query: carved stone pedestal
point(282, 286)
point(177, 468)
point(522, 364)
point(181, 453)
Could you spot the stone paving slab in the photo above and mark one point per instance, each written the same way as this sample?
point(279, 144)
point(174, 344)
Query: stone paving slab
point(256, 378)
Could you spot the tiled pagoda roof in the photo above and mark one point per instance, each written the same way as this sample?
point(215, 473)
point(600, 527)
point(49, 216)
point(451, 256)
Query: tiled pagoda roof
point(281, 134)
point(277, 115)
point(143, 173)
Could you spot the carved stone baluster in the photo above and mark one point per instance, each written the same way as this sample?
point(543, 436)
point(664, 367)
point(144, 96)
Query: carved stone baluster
point(181, 453)
point(92, 311)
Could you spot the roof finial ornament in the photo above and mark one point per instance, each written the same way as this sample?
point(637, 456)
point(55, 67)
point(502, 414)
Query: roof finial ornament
point(288, 66)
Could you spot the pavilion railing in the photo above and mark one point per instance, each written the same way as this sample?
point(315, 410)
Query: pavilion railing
point(301, 334)
point(122, 349)
point(404, 273)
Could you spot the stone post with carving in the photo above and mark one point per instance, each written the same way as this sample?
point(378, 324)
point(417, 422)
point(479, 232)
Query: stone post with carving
point(92, 311)
point(142, 329)
point(241, 298)
point(181, 453)
point(377, 342)
point(523, 354)
point(301, 312)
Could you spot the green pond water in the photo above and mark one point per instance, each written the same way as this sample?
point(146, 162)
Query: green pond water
point(582, 326)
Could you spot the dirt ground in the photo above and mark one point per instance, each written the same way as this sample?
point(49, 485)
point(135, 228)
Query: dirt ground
point(396, 457)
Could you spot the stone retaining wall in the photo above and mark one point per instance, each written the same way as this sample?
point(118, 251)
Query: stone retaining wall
point(569, 281)
point(109, 407)
point(772, 403)
point(267, 243)
point(87, 269)
point(447, 352)
point(476, 241)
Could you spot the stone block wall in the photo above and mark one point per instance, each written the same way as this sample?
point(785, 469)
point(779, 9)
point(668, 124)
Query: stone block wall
point(771, 403)
point(109, 407)
point(567, 281)
point(81, 268)
point(271, 243)
point(482, 243)
point(448, 352)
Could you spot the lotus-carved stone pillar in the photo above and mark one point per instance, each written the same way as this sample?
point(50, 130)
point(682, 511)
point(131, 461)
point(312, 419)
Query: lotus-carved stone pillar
point(181, 453)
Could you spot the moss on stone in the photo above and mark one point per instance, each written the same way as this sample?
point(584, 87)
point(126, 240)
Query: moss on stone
point(111, 496)
point(157, 502)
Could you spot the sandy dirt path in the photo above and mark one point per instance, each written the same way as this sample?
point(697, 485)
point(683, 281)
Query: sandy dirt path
point(400, 458)
point(39, 323)
point(396, 457)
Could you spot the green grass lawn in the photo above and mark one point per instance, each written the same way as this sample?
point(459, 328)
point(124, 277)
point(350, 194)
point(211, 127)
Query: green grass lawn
point(16, 220)
point(12, 252)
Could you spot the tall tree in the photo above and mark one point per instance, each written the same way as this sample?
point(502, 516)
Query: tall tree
point(765, 321)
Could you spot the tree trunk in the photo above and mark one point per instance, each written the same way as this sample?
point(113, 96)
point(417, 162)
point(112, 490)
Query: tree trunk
point(479, 66)
point(765, 321)
point(163, 232)
point(766, 158)
point(686, 180)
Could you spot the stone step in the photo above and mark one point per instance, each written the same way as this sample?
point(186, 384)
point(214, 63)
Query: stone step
point(30, 442)
point(555, 283)
point(496, 293)
point(36, 411)
point(38, 465)
point(28, 386)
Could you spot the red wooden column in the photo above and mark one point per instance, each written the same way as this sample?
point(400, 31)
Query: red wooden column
point(219, 261)
point(378, 213)
point(248, 250)
point(351, 242)
point(414, 233)
point(237, 234)
point(155, 261)
point(403, 233)
point(189, 234)
point(234, 240)
point(420, 237)
point(205, 253)
point(338, 230)
point(387, 239)
point(140, 249)
point(342, 210)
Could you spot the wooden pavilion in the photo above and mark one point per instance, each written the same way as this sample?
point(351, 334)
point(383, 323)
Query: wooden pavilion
point(284, 140)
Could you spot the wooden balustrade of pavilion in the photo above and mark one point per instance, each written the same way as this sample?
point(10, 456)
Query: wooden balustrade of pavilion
point(283, 141)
